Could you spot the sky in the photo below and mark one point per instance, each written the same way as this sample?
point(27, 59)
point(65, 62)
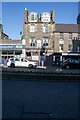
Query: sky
point(13, 14)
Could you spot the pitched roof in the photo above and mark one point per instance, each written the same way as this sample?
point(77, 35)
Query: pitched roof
point(75, 28)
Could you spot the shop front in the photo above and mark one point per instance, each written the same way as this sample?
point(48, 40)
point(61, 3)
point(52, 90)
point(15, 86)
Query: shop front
point(10, 50)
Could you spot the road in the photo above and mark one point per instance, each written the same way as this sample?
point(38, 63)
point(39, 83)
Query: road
point(26, 99)
point(43, 68)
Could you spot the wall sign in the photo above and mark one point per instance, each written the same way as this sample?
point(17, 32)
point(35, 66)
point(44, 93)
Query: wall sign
point(12, 47)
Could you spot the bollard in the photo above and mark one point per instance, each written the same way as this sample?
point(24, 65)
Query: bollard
point(42, 63)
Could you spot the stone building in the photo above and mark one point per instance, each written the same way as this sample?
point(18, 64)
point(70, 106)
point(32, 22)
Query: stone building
point(38, 32)
point(76, 42)
point(2, 34)
point(64, 36)
point(9, 47)
point(43, 31)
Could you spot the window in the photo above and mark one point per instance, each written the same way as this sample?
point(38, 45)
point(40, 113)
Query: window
point(70, 36)
point(78, 48)
point(45, 27)
point(32, 28)
point(45, 41)
point(61, 46)
point(34, 53)
point(70, 48)
point(61, 36)
point(33, 17)
point(78, 36)
point(17, 59)
point(32, 42)
point(28, 53)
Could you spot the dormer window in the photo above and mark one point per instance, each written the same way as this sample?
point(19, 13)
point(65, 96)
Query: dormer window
point(45, 17)
point(33, 17)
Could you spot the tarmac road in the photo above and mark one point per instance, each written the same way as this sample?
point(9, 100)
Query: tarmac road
point(26, 99)
point(42, 68)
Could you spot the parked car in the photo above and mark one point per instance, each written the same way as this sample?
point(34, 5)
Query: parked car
point(20, 62)
point(71, 63)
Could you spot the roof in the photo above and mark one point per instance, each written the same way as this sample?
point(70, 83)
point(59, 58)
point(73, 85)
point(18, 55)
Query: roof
point(10, 41)
point(75, 28)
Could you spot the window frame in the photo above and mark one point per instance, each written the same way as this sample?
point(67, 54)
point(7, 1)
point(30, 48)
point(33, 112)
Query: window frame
point(45, 41)
point(61, 36)
point(70, 36)
point(32, 42)
point(45, 28)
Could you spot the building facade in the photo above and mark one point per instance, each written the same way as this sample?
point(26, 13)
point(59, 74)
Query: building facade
point(64, 36)
point(38, 32)
point(2, 34)
point(42, 36)
point(10, 48)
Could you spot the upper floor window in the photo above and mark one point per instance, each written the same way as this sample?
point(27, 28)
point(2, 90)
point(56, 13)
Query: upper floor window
point(61, 36)
point(78, 36)
point(70, 36)
point(45, 28)
point(45, 41)
point(45, 17)
point(33, 17)
point(32, 42)
point(32, 28)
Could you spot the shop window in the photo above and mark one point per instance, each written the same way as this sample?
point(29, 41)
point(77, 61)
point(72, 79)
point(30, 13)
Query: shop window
point(70, 48)
point(28, 53)
point(61, 47)
point(34, 53)
point(78, 36)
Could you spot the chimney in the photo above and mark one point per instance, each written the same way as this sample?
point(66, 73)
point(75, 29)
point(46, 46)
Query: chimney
point(25, 15)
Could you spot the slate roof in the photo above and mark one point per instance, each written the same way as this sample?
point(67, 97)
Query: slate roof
point(74, 28)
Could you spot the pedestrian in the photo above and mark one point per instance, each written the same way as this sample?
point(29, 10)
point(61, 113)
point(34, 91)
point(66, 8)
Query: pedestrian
point(12, 62)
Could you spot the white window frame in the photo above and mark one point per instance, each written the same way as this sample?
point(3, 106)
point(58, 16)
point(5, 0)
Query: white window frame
point(70, 36)
point(61, 36)
point(45, 41)
point(32, 27)
point(32, 42)
point(33, 17)
point(46, 28)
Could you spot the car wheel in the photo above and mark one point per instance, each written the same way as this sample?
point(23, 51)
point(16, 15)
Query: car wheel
point(12, 65)
point(67, 67)
point(30, 66)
